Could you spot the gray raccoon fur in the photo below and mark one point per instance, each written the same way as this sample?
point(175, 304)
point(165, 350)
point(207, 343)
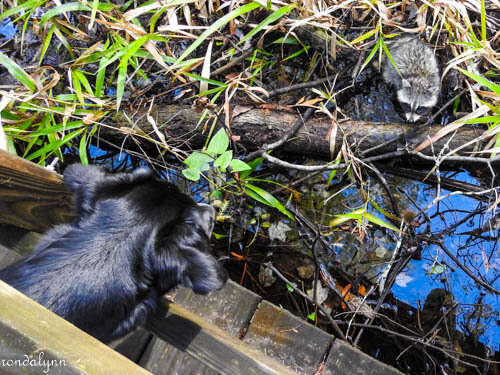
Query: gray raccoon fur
point(417, 83)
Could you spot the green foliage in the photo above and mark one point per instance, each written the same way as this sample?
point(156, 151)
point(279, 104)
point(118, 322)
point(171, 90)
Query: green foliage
point(363, 214)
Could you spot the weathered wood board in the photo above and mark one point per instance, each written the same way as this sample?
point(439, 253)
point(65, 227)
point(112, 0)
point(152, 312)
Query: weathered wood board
point(211, 345)
point(290, 340)
point(31, 197)
point(163, 359)
point(230, 308)
point(28, 331)
point(344, 359)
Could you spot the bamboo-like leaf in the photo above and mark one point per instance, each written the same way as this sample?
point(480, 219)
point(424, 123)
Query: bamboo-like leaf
point(268, 20)
point(483, 81)
point(214, 27)
point(120, 82)
point(46, 43)
point(95, 6)
point(483, 21)
point(82, 150)
point(54, 146)
point(30, 4)
point(375, 220)
point(268, 199)
point(17, 72)
point(365, 35)
point(70, 7)
point(370, 56)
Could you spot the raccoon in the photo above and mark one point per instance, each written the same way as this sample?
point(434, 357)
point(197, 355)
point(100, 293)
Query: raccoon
point(416, 79)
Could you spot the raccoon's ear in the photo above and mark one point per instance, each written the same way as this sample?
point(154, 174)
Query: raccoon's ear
point(406, 84)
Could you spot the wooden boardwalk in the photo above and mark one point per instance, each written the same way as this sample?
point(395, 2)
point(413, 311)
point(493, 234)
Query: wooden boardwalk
point(229, 332)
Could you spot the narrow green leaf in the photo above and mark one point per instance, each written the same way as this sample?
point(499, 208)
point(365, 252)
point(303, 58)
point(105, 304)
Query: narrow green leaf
point(268, 199)
point(95, 6)
point(18, 9)
point(483, 21)
point(46, 43)
point(82, 150)
point(370, 56)
point(202, 79)
point(70, 7)
point(53, 146)
point(77, 87)
point(17, 72)
point(375, 220)
point(300, 52)
point(268, 20)
point(365, 36)
point(214, 27)
point(483, 81)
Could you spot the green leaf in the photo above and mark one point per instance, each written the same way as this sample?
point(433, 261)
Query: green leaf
point(53, 146)
point(17, 72)
point(223, 161)
point(30, 4)
point(342, 218)
point(312, 316)
point(214, 27)
point(267, 198)
point(483, 81)
point(239, 166)
point(192, 174)
point(375, 220)
point(46, 43)
point(82, 150)
point(219, 143)
point(300, 52)
point(370, 56)
point(289, 287)
point(199, 161)
point(365, 36)
point(70, 7)
point(253, 164)
point(269, 19)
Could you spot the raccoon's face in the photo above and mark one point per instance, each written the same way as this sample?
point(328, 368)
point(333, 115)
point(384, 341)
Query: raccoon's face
point(416, 100)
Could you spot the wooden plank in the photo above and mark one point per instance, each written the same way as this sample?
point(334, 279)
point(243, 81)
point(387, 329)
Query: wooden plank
point(31, 197)
point(230, 308)
point(345, 359)
point(29, 329)
point(134, 344)
point(211, 345)
point(18, 239)
point(164, 359)
point(283, 336)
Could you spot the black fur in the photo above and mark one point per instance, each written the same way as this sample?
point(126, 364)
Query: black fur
point(135, 237)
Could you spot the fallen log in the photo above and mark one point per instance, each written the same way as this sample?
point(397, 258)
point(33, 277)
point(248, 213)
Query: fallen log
point(319, 137)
